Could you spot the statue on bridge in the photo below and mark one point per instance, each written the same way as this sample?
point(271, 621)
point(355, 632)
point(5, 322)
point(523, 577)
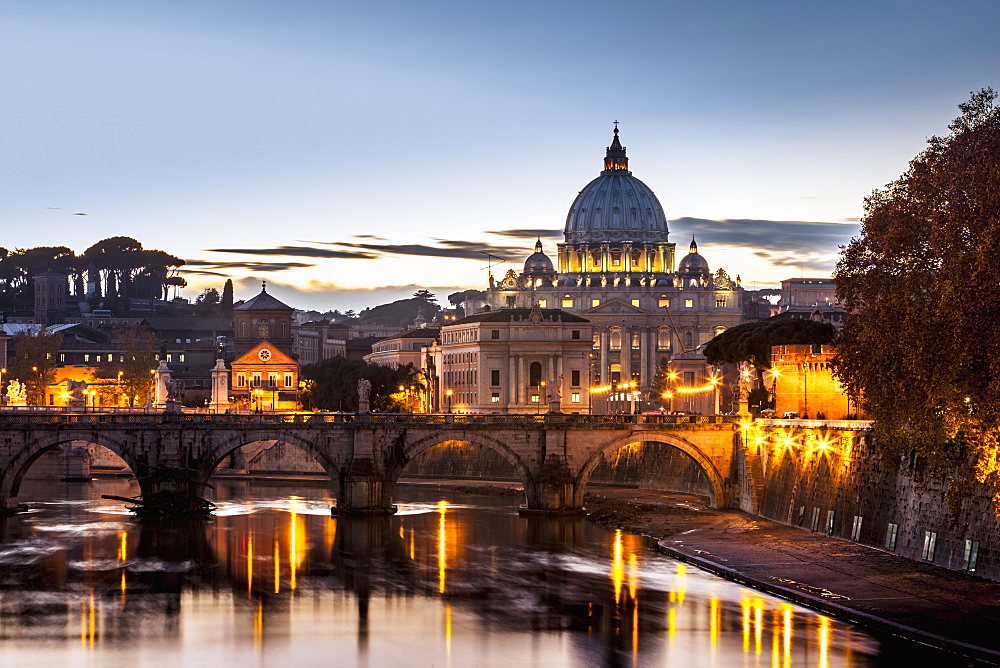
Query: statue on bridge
point(17, 393)
point(364, 390)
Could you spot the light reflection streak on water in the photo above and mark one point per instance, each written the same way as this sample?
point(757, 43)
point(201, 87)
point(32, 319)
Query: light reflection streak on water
point(447, 628)
point(617, 570)
point(296, 542)
point(277, 567)
point(250, 563)
point(787, 616)
point(442, 547)
point(258, 626)
point(714, 622)
point(823, 633)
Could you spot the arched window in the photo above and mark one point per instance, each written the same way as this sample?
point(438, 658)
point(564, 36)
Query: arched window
point(616, 339)
point(689, 340)
point(663, 338)
point(535, 374)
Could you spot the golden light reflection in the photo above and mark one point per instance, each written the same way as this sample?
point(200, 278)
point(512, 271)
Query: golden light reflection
point(447, 624)
point(413, 544)
point(258, 626)
point(88, 620)
point(277, 566)
point(681, 573)
point(122, 545)
point(824, 641)
point(296, 542)
point(617, 570)
point(671, 623)
point(758, 605)
point(250, 562)
point(787, 615)
point(714, 622)
point(745, 609)
point(635, 628)
point(633, 575)
point(442, 507)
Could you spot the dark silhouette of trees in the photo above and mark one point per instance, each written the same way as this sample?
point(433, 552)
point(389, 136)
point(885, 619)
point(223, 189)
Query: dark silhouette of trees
point(753, 340)
point(135, 359)
point(226, 303)
point(922, 287)
point(332, 384)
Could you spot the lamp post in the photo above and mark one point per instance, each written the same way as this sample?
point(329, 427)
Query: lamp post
point(448, 393)
point(543, 398)
point(120, 393)
point(3, 394)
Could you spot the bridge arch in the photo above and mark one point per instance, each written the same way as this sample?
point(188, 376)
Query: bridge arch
point(414, 449)
point(13, 472)
point(717, 485)
point(214, 454)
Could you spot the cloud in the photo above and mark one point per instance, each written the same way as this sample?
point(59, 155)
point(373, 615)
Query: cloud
point(811, 261)
point(779, 236)
point(252, 266)
point(302, 251)
point(369, 236)
point(528, 234)
point(463, 250)
point(324, 296)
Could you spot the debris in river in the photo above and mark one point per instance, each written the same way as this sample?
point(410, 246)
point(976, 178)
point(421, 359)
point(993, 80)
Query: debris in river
point(166, 503)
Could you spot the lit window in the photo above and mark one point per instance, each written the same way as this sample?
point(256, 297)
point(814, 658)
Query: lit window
point(575, 397)
point(62, 357)
point(542, 303)
point(534, 398)
point(98, 359)
point(567, 302)
point(663, 302)
point(720, 302)
point(635, 303)
point(688, 303)
point(180, 358)
point(170, 358)
point(495, 398)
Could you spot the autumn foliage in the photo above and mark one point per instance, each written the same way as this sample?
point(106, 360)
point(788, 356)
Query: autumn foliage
point(921, 346)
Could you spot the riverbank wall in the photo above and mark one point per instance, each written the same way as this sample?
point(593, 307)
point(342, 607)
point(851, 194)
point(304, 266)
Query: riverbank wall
point(835, 482)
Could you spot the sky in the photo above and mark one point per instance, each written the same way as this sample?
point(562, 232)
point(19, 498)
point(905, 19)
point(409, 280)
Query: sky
point(350, 153)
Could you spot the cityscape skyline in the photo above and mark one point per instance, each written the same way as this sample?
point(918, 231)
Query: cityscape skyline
point(374, 151)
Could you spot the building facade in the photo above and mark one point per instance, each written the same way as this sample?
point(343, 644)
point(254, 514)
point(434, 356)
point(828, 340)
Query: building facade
point(265, 378)
point(521, 360)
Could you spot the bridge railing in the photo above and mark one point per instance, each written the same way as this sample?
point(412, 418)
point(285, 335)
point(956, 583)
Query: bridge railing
point(410, 419)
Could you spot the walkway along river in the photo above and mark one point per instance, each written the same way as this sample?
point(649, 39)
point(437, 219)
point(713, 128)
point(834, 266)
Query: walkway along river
point(453, 579)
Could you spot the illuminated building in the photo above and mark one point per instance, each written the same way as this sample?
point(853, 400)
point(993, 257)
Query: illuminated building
point(616, 268)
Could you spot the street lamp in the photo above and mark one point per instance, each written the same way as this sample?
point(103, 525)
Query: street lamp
point(2, 393)
point(448, 394)
point(542, 397)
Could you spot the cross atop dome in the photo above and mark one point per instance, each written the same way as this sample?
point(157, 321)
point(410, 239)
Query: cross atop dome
point(615, 157)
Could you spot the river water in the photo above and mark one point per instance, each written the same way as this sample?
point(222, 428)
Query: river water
point(452, 580)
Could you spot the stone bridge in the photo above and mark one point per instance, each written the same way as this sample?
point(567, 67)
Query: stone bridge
point(364, 455)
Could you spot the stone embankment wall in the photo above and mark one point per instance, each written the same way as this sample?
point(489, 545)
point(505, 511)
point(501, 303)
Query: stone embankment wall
point(834, 481)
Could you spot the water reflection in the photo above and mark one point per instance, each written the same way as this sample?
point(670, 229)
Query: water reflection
point(451, 580)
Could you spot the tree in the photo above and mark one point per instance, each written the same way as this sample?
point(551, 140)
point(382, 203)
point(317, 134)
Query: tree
point(753, 340)
point(332, 384)
point(135, 359)
point(208, 299)
point(226, 305)
point(921, 284)
point(34, 362)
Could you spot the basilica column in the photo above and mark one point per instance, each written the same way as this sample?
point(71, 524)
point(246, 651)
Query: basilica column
point(644, 376)
point(511, 381)
point(627, 252)
point(605, 375)
point(520, 379)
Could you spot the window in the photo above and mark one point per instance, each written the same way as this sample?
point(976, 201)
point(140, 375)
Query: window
point(509, 300)
point(635, 303)
point(856, 528)
point(663, 339)
point(288, 380)
point(495, 398)
point(180, 357)
point(170, 358)
point(616, 339)
point(567, 302)
point(688, 303)
point(814, 525)
point(98, 359)
point(574, 378)
point(62, 357)
point(595, 302)
point(241, 380)
point(635, 341)
point(535, 374)
point(542, 303)
point(689, 378)
point(663, 303)
point(575, 334)
point(575, 397)
point(829, 522)
point(494, 333)
point(495, 377)
point(597, 341)
point(971, 556)
point(930, 539)
point(534, 398)
point(272, 380)
point(891, 532)
point(256, 380)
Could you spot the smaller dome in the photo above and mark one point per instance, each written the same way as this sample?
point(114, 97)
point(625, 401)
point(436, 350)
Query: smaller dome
point(538, 262)
point(693, 262)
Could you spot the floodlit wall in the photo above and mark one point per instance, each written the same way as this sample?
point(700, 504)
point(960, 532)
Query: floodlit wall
point(830, 479)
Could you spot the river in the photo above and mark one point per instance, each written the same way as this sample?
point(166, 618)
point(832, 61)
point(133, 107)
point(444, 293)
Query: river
point(453, 579)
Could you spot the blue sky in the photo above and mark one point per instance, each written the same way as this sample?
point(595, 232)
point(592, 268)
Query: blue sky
point(347, 152)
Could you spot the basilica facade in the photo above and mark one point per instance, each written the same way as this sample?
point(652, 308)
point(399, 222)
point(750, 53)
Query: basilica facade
point(617, 268)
